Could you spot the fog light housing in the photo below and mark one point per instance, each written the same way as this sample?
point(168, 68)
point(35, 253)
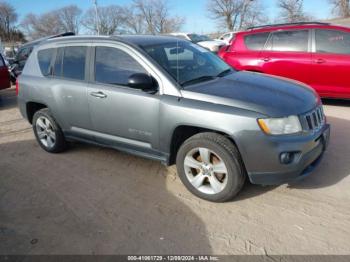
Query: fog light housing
point(287, 158)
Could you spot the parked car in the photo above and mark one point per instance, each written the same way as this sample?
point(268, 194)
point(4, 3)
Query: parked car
point(9, 55)
point(4, 74)
point(170, 100)
point(317, 54)
point(25, 50)
point(227, 37)
point(202, 40)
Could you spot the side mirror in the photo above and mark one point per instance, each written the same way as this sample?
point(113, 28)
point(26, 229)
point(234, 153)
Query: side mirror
point(143, 82)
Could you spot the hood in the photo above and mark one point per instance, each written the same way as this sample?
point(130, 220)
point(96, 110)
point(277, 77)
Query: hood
point(268, 95)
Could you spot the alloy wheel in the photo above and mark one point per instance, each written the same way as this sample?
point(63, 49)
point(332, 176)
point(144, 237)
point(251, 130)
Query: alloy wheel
point(205, 170)
point(45, 132)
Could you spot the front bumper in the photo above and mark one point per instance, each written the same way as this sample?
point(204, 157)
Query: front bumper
point(310, 151)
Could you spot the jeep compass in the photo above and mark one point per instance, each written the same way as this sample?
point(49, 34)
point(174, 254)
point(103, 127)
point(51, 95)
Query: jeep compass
point(171, 100)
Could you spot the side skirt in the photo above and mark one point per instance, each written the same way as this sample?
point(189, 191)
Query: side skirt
point(151, 154)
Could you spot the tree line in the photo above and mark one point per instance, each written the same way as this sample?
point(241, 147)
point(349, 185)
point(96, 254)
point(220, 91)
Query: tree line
point(148, 16)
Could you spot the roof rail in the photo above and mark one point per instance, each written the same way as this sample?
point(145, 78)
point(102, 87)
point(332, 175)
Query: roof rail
point(297, 23)
point(37, 41)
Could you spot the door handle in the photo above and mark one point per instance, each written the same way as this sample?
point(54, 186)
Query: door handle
point(320, 61)
point(98, 94)
point(266, 59)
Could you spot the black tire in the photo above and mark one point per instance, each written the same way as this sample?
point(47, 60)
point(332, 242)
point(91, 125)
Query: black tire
point(228, 153)
point(60, 143)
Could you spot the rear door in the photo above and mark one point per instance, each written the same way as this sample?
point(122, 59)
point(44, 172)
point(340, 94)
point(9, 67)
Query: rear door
point(69, 86)
point(4, 75)
point(288, 54)
point(331, 63)
point(245, 50)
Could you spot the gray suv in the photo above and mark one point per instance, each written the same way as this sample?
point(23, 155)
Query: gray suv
point(170, 100)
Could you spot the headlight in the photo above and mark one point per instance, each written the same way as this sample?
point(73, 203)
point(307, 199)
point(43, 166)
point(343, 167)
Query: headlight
point(280, 126)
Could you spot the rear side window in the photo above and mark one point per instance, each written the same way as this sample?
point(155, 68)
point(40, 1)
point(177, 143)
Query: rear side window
point(256, 41)
point(73, 65)
point(44, 58)
point(294, 41)
point(114, 66)
point(332, 41)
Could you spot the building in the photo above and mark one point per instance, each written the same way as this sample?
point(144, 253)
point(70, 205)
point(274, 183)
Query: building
point(340, 21)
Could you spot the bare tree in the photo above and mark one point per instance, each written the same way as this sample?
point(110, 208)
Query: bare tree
point(292, 11)
point(111, 20)
point(40, 26)
point(65, 19)
point(157, 17)
point(236, 14)
point(69, 18)
point(134, 22)
point(341, 7)
point(8, 16)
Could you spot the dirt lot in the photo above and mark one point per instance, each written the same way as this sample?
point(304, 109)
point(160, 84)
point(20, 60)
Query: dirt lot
point(92, 200)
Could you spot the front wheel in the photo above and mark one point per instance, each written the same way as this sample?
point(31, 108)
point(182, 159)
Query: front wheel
point(210, 166)
point(47, 132)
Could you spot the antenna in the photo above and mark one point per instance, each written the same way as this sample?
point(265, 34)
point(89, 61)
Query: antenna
point(97, 20)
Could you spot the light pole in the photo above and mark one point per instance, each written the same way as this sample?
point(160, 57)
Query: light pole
point(97, 20)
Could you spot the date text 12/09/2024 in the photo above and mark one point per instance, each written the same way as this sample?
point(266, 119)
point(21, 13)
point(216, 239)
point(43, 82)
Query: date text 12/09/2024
point(173, 258)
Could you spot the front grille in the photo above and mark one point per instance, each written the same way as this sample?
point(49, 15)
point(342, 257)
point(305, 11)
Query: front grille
point(313, 120)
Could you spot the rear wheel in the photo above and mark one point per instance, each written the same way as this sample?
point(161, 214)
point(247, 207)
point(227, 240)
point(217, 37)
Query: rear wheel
point(210, 167)
point(47, 132)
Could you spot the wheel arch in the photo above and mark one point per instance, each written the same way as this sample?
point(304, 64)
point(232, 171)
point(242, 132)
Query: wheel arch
point(183, 132)
point(32, 108)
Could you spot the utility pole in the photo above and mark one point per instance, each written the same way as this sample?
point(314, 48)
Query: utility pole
point(97, 20)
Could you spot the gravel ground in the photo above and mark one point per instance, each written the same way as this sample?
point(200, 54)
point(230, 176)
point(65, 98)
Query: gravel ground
point(92, 200)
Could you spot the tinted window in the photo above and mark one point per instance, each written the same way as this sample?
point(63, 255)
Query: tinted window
point(44, 58)
point(332, 41)
point(256, 41)
point(73, 65)
point(114, 66)
point(296, 41)
point(1, 61)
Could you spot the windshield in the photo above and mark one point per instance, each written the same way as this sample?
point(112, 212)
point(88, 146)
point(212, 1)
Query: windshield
point(205, 38)
point(198, 38)
point(188, 63)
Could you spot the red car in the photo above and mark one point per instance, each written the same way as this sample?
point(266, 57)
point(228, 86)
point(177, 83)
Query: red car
point(4, 74)
point(317, 54)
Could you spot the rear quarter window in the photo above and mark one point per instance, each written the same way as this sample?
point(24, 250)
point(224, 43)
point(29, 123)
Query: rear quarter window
point(256, 41)
point(44, 59)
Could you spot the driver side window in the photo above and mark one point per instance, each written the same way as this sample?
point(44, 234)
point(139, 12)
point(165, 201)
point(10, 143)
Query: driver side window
point(114, 66)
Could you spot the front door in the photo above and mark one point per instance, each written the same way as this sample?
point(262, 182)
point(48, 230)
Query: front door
point(121, 115)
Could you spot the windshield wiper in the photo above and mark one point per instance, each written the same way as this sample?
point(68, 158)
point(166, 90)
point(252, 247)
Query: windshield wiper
point(225, 72)
point(197, 80)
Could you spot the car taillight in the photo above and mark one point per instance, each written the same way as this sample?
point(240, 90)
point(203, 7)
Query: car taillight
point(17, 87)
